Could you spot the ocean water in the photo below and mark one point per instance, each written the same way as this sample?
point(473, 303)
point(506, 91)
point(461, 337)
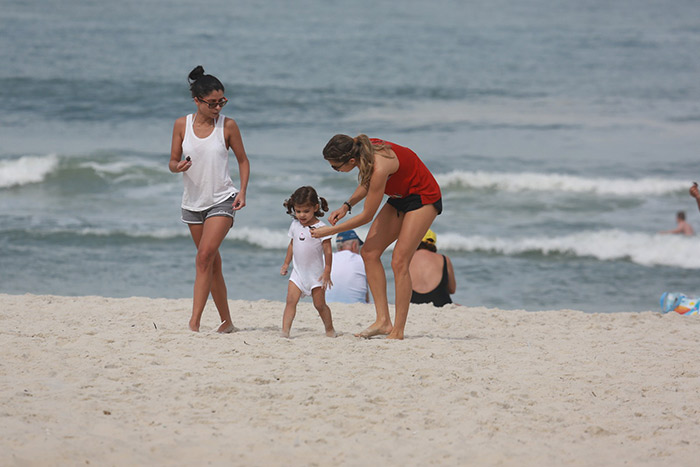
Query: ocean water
point(564, 135)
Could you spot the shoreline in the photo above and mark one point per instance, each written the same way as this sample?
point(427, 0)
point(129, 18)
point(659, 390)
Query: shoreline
point(122, 381)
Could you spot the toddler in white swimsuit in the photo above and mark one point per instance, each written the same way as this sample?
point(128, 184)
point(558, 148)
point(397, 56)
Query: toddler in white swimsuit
point(311, 258)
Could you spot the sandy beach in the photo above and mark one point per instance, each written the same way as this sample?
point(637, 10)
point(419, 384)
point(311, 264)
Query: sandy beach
point(102, 381)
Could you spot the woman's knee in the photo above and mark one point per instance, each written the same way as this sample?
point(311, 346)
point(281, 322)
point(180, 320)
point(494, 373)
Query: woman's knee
point(370, 255)
point(206, 258)
point(400, 262)
point(216, 264)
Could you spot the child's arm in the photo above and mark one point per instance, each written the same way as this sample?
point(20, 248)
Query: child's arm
point(287, 260)
point(328, 256)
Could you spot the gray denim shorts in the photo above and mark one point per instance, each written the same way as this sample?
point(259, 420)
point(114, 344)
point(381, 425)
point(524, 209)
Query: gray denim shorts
point(224, 208)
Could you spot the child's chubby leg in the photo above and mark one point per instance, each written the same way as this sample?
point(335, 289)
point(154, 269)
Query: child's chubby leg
point(290, 308)
point(324, 311)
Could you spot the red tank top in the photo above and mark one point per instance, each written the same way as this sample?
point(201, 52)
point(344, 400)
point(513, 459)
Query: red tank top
point(412, 178)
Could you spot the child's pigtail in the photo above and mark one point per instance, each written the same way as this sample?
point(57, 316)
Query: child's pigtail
point(323, 206)
point(289, 204)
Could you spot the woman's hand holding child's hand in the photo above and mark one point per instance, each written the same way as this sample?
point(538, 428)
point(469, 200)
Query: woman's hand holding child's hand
point(320, 232)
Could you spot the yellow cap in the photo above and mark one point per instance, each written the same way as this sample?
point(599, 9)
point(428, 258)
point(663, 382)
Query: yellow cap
point(430, 237)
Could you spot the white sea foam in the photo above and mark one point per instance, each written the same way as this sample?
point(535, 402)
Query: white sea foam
point(606, 245)
point(26, 170)
point(268, 238)
point(132, 170)
point(160, 234)
point(533, 181)
point(264, 238)
point(107, 168)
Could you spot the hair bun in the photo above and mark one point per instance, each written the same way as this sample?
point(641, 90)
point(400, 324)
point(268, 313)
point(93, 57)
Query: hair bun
point(197, 73)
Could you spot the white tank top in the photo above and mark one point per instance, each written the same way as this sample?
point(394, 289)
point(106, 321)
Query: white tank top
point(207, 181)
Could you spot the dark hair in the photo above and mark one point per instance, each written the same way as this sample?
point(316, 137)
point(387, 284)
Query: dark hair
point(202, 85)
point(342, 148)
point(681, 215)
point(430, 246)
point(304, 196)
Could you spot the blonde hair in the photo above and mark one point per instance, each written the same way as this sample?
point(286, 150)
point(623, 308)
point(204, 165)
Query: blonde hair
point(341, 148)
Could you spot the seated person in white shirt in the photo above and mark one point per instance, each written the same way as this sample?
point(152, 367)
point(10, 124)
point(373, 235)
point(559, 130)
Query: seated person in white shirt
point(348, 271)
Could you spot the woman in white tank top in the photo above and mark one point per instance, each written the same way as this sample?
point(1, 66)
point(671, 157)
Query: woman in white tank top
point(200, 152)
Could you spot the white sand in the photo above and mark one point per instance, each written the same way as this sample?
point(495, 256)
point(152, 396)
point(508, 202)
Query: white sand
point(123, 382)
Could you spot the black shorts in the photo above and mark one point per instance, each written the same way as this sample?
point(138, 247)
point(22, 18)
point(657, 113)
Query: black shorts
point(411, 203)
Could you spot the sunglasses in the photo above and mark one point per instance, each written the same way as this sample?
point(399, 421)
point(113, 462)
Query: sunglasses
point(213, 105)
point(338, 167)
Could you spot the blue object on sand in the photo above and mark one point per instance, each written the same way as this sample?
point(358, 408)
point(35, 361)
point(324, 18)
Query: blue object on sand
point(680, 303)
point(669, 301)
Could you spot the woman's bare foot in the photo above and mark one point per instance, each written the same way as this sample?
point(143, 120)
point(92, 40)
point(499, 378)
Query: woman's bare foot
point(394, 334)
point(375, 330)
point(331, 333)
point(284, 334)
point(226, 328)
point(194, 326)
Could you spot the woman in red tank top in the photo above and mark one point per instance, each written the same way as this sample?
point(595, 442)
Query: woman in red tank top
point(414, 202)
